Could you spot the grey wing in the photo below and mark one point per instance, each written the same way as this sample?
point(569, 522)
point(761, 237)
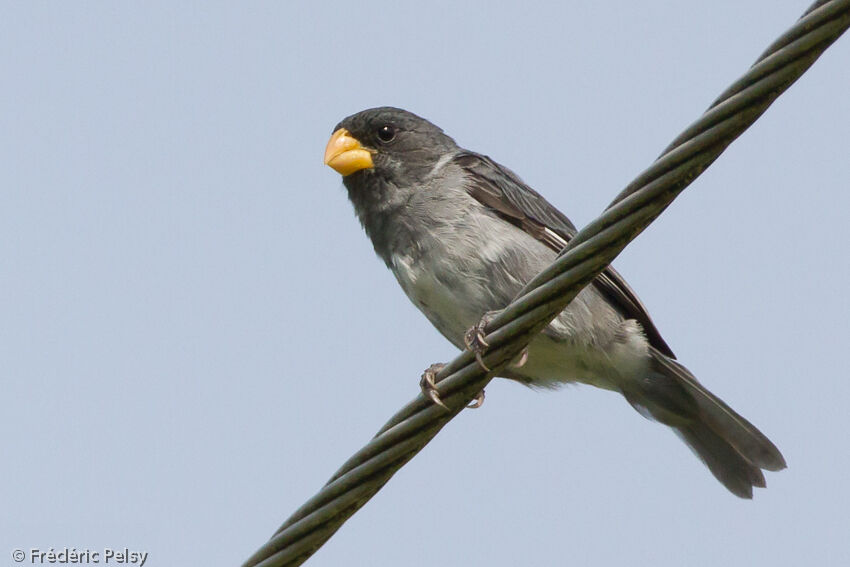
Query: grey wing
point(501, 190)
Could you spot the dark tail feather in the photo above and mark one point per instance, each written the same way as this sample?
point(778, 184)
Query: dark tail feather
point(751, 443)
point(725, 463)
point(733, 448)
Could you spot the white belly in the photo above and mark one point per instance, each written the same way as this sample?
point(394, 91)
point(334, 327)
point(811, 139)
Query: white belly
point(575, 348)
point(446, 305)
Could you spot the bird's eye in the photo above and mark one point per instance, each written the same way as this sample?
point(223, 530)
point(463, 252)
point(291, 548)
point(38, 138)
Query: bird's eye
point(386, 133)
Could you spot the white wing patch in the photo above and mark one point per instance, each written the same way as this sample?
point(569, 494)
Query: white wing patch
point(555, 236)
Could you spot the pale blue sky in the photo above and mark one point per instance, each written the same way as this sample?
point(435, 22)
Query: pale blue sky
point(195, 333)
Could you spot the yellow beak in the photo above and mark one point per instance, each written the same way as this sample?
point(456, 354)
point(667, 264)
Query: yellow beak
point(345, 154)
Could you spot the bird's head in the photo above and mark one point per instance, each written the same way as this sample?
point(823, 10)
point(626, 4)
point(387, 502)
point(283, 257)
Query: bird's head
point(386, 146)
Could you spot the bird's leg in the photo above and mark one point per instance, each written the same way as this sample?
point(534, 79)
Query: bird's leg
point(477, 344)
point(428, 383)
point(475, 341)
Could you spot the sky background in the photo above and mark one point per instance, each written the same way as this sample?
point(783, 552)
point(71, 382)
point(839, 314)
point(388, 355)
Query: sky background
point(195, 332)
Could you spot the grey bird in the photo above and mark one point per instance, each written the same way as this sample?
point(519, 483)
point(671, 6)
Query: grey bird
point(463, 234)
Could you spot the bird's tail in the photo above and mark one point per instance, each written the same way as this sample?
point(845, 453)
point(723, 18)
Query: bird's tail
point(732, 448)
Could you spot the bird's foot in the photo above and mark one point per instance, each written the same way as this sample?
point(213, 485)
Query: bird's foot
point(475, 340)
point(428, 383)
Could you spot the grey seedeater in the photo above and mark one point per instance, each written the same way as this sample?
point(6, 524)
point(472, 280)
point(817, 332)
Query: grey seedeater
point(462, 235)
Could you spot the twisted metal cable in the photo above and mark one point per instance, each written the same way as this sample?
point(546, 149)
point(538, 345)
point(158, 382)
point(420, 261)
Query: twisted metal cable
point(587, 254)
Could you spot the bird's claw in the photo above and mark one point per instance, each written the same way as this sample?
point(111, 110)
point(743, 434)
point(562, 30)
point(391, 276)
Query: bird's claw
point(475, 340)
point(428, 383)
point(477, 402)
point(523, 358)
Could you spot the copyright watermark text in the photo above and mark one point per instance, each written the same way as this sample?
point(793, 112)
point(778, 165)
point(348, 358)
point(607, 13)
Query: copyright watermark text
point(72, 556)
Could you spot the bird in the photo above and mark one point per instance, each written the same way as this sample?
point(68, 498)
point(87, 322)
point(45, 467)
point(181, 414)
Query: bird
point(463, 234)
